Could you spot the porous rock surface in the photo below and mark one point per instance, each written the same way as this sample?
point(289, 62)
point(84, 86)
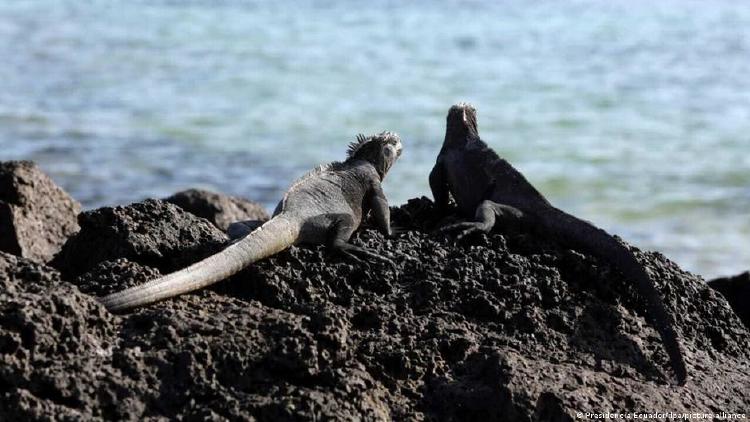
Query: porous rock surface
point(508, 326)
point(222, 210)
point(36, 216)
point(154, 232)
point(54, 342)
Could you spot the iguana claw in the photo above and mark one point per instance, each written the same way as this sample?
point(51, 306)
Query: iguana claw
point(476, 228)
point(466, 228)
point(396, 230)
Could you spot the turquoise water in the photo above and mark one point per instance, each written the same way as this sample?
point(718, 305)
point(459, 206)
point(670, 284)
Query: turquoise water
point(631, 114)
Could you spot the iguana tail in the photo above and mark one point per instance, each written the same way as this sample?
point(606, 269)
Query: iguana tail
point(274, 236)
point(599, 243)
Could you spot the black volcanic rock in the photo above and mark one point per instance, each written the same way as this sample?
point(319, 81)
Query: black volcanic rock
point(54, 342)
point(36, 216)
point(112, 276)
point(153, 233)
point(222, 210)
point(507, 326)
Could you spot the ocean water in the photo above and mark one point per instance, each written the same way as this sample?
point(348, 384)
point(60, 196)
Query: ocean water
point(632, 114)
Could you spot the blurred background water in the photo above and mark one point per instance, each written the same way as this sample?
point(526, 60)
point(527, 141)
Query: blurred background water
point(632, 114)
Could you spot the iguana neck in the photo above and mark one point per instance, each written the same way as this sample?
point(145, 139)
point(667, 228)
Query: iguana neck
point(458, 135)
point(358, 162)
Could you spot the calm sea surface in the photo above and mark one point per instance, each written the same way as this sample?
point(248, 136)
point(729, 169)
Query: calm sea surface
point(632, 114)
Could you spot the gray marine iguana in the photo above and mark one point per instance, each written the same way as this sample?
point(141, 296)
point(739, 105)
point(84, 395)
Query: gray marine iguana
point(489, 189)
point(325, 206)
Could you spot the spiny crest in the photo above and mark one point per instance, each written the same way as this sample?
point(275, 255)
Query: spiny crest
point(362, 140)
point(389, 137)
point(463, 104)
point(462, 107)
point(356, 145)
point(321, 168)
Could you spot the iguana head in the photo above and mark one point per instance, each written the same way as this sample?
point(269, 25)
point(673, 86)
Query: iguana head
point(382, 150)
point(461, 124)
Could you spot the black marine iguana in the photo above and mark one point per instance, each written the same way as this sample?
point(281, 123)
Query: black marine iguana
point(325, 205)
point(487, 188)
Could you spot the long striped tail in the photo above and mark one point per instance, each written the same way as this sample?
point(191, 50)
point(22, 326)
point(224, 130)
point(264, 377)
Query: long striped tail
point(272, 237)
point(601, 244)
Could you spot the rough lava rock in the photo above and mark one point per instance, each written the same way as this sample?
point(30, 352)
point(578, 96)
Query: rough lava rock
point(508, 326)
point(222, 210)
point(36, 216)
point(736, 289)
point(153, 232)
point(55, 344)
point(111, 276)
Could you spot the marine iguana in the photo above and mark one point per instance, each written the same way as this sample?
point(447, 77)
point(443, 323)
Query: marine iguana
point(489, 189)
point(325, 205)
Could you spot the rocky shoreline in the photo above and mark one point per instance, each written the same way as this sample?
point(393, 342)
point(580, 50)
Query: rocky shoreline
point(510, 326)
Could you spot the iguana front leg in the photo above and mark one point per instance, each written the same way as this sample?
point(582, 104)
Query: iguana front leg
point(487, 215)
point(439, 187)
point(342, 231)
point(381, 212)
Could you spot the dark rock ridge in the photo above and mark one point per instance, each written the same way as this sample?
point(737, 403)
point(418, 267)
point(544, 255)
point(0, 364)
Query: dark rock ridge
point(154, 232)
point(222, 210)
point(508, 326)
point(736, 289)
point(36, 216)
